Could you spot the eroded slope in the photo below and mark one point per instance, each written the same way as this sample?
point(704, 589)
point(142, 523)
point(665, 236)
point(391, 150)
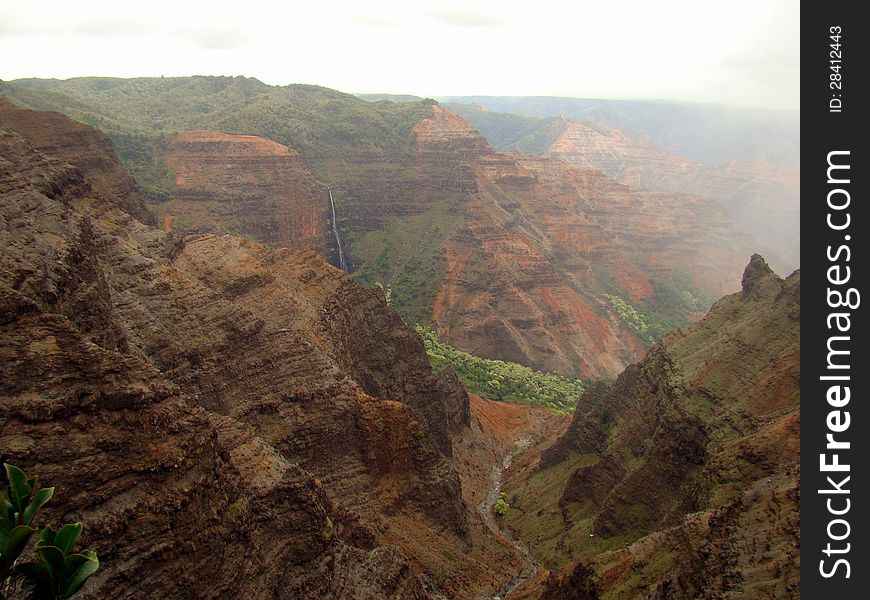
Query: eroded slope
point(681, 478)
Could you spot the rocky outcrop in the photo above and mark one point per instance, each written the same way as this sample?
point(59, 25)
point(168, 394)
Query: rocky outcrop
point(243, 184)
point(685, 451)
point(88, 150)
point(579, 585)
point(757, 276)
point(210, 404)
point(762, 198)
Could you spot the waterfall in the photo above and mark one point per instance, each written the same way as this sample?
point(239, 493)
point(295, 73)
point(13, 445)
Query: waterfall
point(341, 262)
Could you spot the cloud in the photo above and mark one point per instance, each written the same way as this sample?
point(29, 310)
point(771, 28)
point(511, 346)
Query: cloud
point(766, 59)
point(218, 31)
point(744, 52)
point(216, 38)
point(372, 21)
point(465, 18)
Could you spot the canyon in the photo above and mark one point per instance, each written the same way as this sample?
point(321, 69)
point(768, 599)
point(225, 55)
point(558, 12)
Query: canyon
point(190, 396)
point(508, 256)
point(535, 245)
point(209, 394)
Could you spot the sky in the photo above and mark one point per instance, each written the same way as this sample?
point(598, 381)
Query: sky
point(740, 52)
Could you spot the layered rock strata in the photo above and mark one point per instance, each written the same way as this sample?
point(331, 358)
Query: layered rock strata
point(245, 185)
point(207, 404)
point(690, 457)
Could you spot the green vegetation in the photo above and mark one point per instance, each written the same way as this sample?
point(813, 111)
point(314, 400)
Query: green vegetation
point(500, 380)
point(670, 297)
point(135, 151)
point(673, 297)
point(509, 131)
point(18, 506)
point(404, 258)
point(519, 133)
point(313, 120)
point(647, 326)
point(58, 570)
point(501, 505)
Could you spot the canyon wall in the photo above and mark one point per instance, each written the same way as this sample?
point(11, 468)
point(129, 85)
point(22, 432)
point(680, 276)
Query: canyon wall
point(210, 404)
point(509, 256)
point(244, 185)
point(680, 479)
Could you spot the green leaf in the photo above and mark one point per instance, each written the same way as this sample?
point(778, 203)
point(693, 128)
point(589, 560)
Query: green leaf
point(7, 514)
point(16, 541)
point(46, 538)
point(52, 558)
point(18, 487)
point(77, 569)
point(39, 499)
point(67, 537)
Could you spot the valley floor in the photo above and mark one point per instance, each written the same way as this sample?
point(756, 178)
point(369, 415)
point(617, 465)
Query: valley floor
point(501, 431)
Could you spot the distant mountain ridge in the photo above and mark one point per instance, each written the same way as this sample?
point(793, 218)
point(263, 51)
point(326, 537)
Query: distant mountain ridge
point(761, 196)
point(707, 133)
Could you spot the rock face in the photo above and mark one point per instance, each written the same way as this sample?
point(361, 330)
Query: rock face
point(692, 456)
point(211, 405)
point(527, 247)
point(762, 198)
point(88, 150)
point(243, 184)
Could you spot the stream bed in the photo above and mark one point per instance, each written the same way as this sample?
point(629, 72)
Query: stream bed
point(530, 565)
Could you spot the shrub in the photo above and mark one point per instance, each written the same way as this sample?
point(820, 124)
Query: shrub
point(500, 380)
point(501, 505)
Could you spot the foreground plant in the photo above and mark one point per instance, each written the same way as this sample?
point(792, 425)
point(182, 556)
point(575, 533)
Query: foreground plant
point(18, 506)
point(59, 571)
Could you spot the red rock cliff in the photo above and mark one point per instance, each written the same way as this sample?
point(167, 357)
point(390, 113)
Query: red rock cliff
point(244, 184)
point(540, 242)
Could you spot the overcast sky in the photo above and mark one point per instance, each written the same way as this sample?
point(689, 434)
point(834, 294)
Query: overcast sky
point(741, 52)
